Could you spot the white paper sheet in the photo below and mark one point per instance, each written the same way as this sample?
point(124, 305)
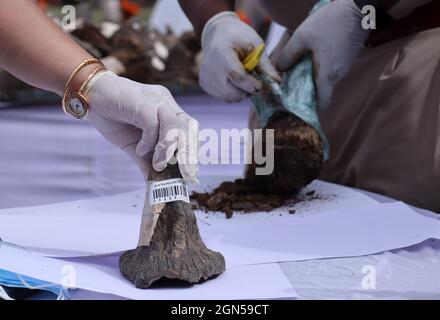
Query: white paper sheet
point(80, 228)
point(262, 237)
point(111, 224)
point(101, 274)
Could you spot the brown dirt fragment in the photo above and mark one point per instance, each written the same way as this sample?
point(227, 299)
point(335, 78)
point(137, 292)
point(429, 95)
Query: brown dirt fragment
point(238, 196)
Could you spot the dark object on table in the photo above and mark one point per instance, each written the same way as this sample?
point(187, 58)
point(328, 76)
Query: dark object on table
point(176, 250)
point(298, 156)
point(297, 160)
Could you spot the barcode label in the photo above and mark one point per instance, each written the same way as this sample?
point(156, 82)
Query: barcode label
point(169, 191)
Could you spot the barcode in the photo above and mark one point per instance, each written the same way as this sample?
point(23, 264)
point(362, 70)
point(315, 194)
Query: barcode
point(169, 191)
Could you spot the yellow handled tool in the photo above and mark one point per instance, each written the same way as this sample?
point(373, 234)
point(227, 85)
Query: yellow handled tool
point(250, 64)
point(253, 59)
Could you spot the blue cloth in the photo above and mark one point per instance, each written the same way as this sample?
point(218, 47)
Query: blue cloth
point(13, 280)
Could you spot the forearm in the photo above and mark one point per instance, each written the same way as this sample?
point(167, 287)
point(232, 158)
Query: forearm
point(35, 49)
point(200, 11)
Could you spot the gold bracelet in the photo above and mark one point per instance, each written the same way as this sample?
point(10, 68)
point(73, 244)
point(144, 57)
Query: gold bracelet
point(77, 69)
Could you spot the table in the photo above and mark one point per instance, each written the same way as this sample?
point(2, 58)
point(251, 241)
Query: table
point(47, 157)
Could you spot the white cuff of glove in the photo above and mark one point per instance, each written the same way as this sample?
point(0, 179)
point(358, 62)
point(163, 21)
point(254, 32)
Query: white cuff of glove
point(97, 76)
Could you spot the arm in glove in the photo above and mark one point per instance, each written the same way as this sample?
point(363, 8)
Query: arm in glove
point(222, 74)
point(144, 121)
point(335, 36)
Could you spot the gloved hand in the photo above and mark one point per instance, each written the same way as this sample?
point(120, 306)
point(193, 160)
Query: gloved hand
point(335, 36)
point(222, 74)
point(144, 121)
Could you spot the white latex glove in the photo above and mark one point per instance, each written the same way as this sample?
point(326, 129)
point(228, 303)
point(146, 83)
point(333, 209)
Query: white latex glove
point(222, 74)
point(335, 36)
point(144, 121)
